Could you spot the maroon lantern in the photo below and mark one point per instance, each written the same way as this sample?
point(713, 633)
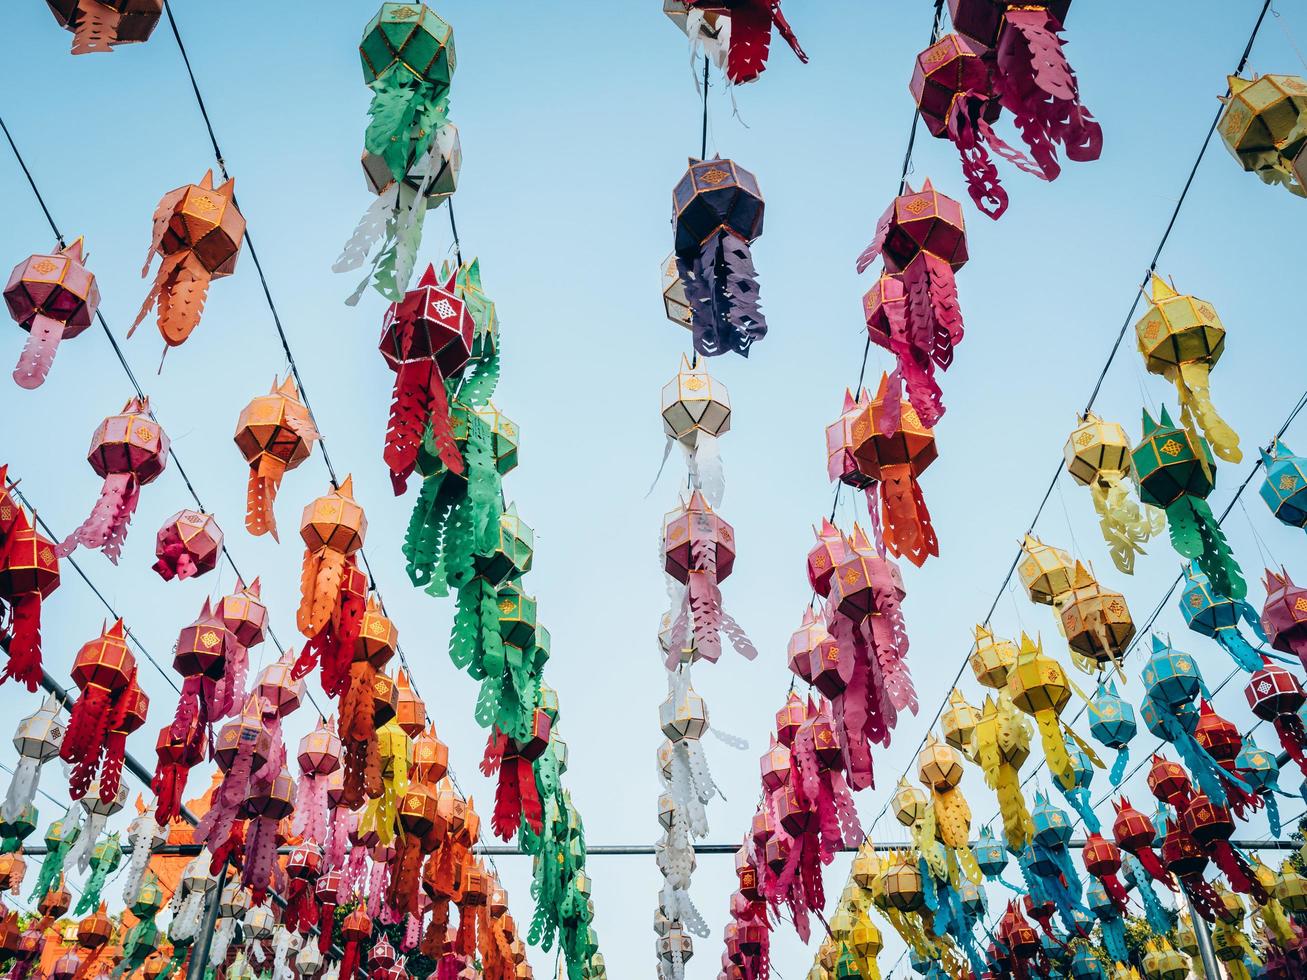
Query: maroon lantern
point(1135, 834)
point(54, 298)
point(426, 339)
point(1275, 695)
point(1103, 860)
point(187, 545)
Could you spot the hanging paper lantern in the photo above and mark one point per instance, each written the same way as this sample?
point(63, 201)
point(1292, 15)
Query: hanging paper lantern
point(1174, 470)
point(270, 801)
point(37, 740)
point(741, 29)
point(717, 210)
point(29, 572)
point(241, 748)
point(939, 768)
point(213, 663)
point(1211, 614)
point(958, 723)
point(1185, 859)
point(407, 53)
point(1028, 75)
point(921, 239)
point(893, 451)
point(426, 340)
point(1103, 860)
point(1112, 722)
point(14, 832)
point(105, 858)
point(105, 673)
point(376, 643)
point(102, 25)
point(1095, 620)
point(197, 235)
point(187, 545)
point(991, 659)
point(1284, 615)
point(274, 433)
point(696, 411)
point(333, 528)
point(128, 450)
point(1181, 338)
point(1098, 456)
point(1002, 745)
point(319, 756)
point(127, 716)
point(1284, 488)
point(1038, 686)
point(699, 552)
point(53, 297)
point(1275, 695)
point(1262, 125)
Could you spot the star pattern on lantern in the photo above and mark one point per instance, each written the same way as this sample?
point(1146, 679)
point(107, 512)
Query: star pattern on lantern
point(1171, 447)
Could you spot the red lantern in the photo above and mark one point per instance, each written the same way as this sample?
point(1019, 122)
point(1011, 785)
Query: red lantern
point(54, 298)
point(1185, 859)
point(1135, 834)
point(270, 800)
point(828, 552)
point(359, 718)
point(1103, 860)
point(104, 672)
point(354, 931)
point(426, 340)
point(178, 753)
point(29, 572)
point(1169, 782)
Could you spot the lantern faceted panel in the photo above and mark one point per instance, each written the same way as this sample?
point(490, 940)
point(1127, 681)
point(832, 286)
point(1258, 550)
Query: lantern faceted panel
point(992, 659)
point(1169, 464)
point(1178, 329)
point(1046, 572)
point(408, 37)
point(1096, 447)
point(715, 195)
point(334, 521)
point(676, 305)
point(695, 402)
point(1263, 118)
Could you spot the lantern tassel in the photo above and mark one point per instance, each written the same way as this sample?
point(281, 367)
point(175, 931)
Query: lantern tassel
point(978, 168)
point(1118, 767)
point(24, 664)
point(38, 353)
point(1124, 523)
point(22, 788)
point(908, 531)
point(1195, 534)
point(181, 298)
point(260, 495)
point(1192, 381)
point(409, 410)
point(106, 527)
point(721, 287)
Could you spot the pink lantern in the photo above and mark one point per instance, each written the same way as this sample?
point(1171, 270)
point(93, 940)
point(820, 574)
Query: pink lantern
point(187, 545)
point(1284, 616)
point(54, 298)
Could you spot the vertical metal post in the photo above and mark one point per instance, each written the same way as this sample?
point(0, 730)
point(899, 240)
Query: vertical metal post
point(1204, 937)
point(199, 960)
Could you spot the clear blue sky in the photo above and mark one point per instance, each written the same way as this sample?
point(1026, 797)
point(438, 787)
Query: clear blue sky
point(574, 130)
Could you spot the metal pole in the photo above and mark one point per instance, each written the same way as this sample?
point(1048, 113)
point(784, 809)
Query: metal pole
point(199, 960)
point(1204, 937)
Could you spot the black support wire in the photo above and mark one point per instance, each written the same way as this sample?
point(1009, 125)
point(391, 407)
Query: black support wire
point(1098, 383)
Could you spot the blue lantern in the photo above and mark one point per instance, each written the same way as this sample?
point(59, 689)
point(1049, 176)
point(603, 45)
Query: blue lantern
point(1112, 722)
point(1208, 612)
point(990, 854)
point(1261, 770)
point(1109, 919)
point(1172, 677)
point(1077, 796)
point(1285, 487)
point(1050, 860)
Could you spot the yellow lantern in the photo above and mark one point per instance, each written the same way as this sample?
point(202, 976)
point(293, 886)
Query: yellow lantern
point(1291, 889)
point(1182, 338)
point(908, 804)
point(1046, 572)
point(991, 659)
point(1098, 456)
point(1002, 741)
point(903, 890)
point(1265, 126)
point(939, 767)
point(958, 722)
point(1038, 686)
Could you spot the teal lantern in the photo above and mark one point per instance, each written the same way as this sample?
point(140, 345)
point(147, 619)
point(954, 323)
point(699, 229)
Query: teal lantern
point(1172, 677)
point(1261, 770)
point(1208, 612)
point(974, 903)
point(1109, 919)
point(1285, 486)
point(1077, 794)
point(510, 554)
point(990, 854)
point(1112, 723)
point(1175, 470)
point(1086, 966)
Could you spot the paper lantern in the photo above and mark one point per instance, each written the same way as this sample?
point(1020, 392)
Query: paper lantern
point(37, 740)
point(274, 433)
point(717, 209)
point(1174, 470)
point(1284, 615)
point(104, 671)
point(1095, 620)
point(102, 25)
point(1038, 686)
point(1028, 75)
point(241, 748)
point(1275, 695)
point(992, 659)
point(1262, 125)
point(426, 340)
point(1212, 614)
point(188, 544)
point(197, 234)
point(1112, 722)
point(333, 528)
point(1098, 456)
point(1047, 573)
point(1181, 338)
point(128, 450)
point(893, 451)
point(744, 30)
point(429, 182)
point(903, 886)
point(958, 722)
point(29, 573)
point(1002, 745)
point(53, 297)
point(908, 804)
point(1284, 487)
point(271, 799)
point(921, 239)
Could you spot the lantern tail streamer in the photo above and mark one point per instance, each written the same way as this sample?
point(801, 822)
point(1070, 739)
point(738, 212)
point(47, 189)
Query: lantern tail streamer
point(1125, 525)
point(721, 287)
point(38, 353)
point(1118, 767)
point(1196, 534)
point(24, 651)
point(409, 410)
point(260, 495)
point(181, 299)
point(1192, 379)
point(907, 528)
point(1055, 751)
point(404, 105)
point(106, 527)
point(368, 231)
point(22, 788)
point(966, 133)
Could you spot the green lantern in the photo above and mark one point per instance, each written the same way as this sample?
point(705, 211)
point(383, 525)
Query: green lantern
point(1175, 471)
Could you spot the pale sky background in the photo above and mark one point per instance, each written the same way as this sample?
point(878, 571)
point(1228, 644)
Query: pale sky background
point(574, 130)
